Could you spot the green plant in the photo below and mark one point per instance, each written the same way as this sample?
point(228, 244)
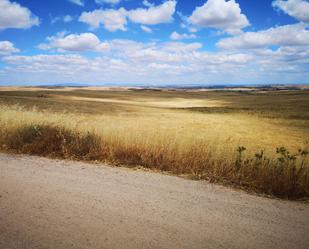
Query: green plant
point(239, 158)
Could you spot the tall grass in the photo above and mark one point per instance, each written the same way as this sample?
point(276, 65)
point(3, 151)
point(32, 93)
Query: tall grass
point(286, 175)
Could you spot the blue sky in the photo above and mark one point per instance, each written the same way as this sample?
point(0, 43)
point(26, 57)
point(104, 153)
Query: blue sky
point(154, 42)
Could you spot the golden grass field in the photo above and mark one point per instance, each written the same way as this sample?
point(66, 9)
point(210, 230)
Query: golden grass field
point(196, 133)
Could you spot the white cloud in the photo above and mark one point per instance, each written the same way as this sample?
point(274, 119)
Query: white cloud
point(74, 43)
point(146, 29)
point(148, 4)
point(154, 15)
point(288, 35)
point(13, 15)
point(156, 62)
point(192, 30)
point(220, 14)
point(177, 36)
point(7, 48)
point(126, 61)
point(186, 24)
point(181, 48)
point(66, 19)
point(117, 19)
point(77, 2)
point(298, 9)
point(108, 1)
point(111, 19)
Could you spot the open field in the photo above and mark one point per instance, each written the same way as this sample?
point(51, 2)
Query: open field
point(224, 136)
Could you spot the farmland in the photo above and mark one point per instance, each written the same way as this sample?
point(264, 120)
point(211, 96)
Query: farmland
point(256, 140)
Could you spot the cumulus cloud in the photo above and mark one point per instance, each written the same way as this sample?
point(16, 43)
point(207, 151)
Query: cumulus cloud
point(7, 48)
point(177, 36)
point(146, 29)
point(298, 9)
point(127, 61)
point(220, 14)
point(74, 43)
point(111, 19)
point(134, 62)
point(77, 2)
point(154, 14)
point(13, 15)
point(108, 1)
point(287, 35)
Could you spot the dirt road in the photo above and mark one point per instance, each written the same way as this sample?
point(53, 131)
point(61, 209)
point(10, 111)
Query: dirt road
point(60, 205)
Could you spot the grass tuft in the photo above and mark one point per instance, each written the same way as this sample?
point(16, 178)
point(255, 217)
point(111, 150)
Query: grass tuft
point(53, 141)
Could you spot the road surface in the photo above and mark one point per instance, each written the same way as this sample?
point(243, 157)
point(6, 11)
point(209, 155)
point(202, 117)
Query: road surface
point(62, 204)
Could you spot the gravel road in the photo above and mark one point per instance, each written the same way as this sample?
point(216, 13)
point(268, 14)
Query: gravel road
point(62, 204)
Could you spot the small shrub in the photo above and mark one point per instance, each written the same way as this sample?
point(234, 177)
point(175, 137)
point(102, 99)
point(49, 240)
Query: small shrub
point(23, 136)
point(284, 176)
point(53, 141)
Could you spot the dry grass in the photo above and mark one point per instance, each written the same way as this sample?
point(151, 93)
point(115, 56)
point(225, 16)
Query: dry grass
point(197, 134)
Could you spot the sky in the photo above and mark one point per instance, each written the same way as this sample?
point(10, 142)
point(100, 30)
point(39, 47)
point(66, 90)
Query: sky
point(154, 42)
